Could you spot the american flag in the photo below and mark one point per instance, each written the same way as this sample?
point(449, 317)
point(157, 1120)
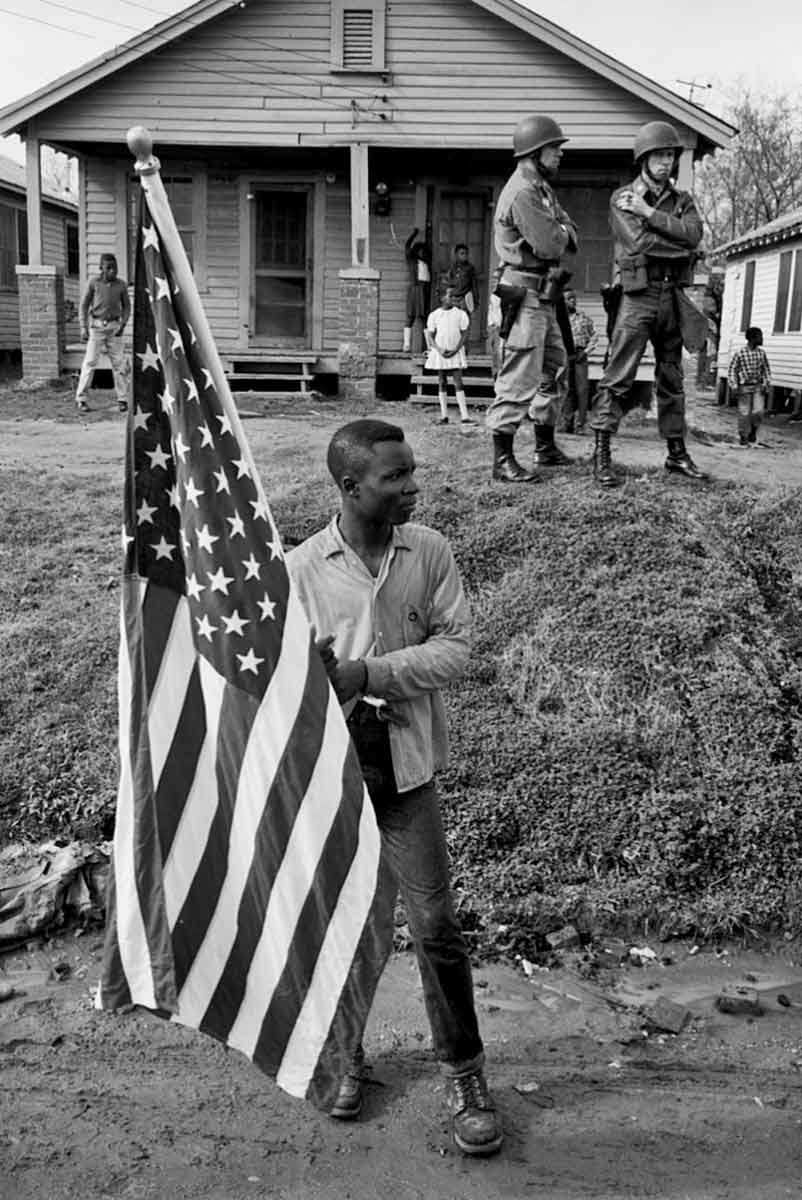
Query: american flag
point(245, 900)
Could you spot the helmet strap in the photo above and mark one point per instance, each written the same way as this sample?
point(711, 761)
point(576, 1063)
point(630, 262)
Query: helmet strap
point(538, 161)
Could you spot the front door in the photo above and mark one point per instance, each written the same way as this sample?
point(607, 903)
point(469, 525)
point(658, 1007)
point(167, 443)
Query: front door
point(462, 216)
point(281, 289)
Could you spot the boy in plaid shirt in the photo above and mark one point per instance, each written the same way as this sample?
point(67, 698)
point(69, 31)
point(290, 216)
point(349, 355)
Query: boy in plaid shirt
point(749, 377)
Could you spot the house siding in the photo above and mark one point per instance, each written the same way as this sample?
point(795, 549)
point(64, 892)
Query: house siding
point(54, 251)
point(261, 76)
point(784, 350)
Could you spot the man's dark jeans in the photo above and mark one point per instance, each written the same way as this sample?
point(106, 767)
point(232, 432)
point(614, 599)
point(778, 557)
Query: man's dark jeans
point(415, 859)
point(650, 315)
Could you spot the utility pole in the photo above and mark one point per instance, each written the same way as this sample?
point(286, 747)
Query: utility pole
point(692, 84)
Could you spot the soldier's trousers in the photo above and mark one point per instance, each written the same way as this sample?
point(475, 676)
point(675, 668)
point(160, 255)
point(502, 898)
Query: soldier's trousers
point(531, 364)
point(647, 316)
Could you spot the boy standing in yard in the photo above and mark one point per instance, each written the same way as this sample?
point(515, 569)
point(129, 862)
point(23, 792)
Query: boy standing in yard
point(387, 599)
point(575, 409)
point(105, 310)
point(749, 378)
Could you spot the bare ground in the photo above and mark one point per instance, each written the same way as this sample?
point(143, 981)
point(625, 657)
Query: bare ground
point(102, 1107)
point(105, 1107)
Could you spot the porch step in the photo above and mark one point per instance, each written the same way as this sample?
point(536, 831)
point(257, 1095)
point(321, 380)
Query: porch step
point(271, 373)
point(477, 380)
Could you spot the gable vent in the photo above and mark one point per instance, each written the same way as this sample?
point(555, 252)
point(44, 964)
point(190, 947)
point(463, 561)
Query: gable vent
point(358, 39)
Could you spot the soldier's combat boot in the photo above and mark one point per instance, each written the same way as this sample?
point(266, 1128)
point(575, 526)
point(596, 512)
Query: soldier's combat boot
point(680, 461)
point(547, 453)
point(603, 471)
point(506, 467)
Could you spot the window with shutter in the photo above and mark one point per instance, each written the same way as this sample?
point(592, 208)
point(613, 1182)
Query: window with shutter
point(357, 35)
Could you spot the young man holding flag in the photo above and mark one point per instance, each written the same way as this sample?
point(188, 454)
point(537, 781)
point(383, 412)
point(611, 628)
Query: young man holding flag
point(386, 597)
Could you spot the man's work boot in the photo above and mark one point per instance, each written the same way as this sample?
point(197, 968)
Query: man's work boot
point(679, 460)
point(348, 1104)
point(506, 467)
point(475, 1125)
point(603, 471)
point(547, 454)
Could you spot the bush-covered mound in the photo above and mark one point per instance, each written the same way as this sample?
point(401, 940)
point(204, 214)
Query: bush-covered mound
point(625, 745)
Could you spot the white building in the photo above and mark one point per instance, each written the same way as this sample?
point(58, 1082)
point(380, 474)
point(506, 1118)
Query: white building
point(763, 286)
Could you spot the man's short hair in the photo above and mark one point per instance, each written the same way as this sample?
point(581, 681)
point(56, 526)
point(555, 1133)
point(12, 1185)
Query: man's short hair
point(108, 258)
point(352, 445)
point(753, 331)
point(461, 246)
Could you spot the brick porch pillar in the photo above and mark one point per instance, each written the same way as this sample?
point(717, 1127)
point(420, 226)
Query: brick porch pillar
point(41, 318)
point(358, 333)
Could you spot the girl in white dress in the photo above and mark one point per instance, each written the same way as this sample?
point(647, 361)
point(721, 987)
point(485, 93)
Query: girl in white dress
point(446, 331)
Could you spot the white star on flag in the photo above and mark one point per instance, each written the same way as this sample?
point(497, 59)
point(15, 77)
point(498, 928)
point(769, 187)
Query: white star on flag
point(249, 661)
point(191, 492)
point(235, 623)
point(149, 359)
point(220, 581)
point(252, 567)
point(163, 548)
point(158, 457)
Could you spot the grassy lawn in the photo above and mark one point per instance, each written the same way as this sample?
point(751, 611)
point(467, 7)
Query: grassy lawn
point(626, 741)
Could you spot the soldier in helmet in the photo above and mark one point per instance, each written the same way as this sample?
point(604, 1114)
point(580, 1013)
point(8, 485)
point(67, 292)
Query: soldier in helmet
point(657, 230)
point(531, 233)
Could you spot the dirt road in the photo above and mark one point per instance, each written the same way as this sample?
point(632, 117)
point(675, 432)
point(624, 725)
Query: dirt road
point(110, 1107)
point(45, 429)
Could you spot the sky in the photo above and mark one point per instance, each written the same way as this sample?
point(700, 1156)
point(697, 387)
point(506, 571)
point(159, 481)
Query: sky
point(679, 43)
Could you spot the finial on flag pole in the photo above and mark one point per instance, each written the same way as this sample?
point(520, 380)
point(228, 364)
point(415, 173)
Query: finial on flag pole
point(140, 143)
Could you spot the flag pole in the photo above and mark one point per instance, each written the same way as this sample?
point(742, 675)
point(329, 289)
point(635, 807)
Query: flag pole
point(147, 168)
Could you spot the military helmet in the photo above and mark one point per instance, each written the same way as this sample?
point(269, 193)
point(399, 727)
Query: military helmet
point(656, 135)
point(535, 132)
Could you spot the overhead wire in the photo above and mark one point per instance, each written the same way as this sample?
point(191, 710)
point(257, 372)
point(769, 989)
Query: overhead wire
point(38, 21)
point(333, 84)
point(353, 108)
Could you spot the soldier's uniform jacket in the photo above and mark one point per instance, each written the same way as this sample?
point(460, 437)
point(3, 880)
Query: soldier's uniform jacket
point(662, 245)
point(531, 230)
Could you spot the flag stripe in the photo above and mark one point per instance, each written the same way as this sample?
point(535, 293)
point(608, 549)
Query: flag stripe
point(192, 927)
point(185, 852)
point(183, 764)
point(168, 693)
point(310, 1028)
point(294, 873)
point(267, 741)
point(290, 793)
point(316, 908)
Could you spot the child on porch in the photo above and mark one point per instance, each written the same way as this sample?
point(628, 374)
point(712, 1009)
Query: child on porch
point(446, 331)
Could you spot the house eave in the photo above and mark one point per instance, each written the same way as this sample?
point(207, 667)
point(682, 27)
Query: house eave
point(746, 244)
point(14, 118)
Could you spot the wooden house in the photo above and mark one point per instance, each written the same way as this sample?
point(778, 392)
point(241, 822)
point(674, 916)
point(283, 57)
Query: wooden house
point(301, 142)
point(763, 286)
point(59, 241)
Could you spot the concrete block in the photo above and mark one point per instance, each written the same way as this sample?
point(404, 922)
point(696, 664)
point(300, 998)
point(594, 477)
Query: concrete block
point(563, 939)
point(739, 1001)
point(665, 1015)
